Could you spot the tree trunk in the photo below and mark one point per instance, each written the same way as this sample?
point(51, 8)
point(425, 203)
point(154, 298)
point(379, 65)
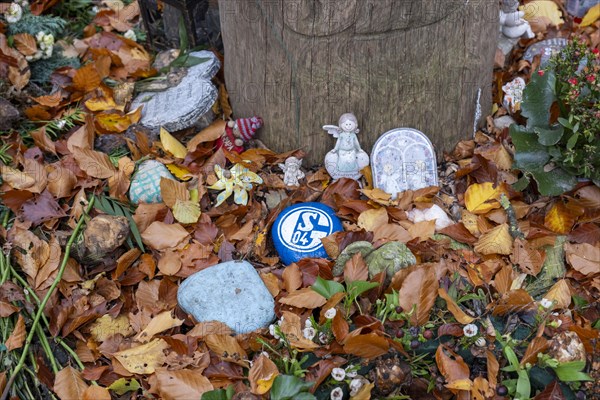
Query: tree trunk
point(300, 64)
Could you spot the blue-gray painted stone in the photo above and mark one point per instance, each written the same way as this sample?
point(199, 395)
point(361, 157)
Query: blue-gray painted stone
point(230, 292)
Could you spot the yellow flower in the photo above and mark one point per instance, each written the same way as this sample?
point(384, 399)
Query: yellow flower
point(238, 180)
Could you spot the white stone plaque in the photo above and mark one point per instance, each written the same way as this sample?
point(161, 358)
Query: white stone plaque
point(403, 159)
point(181, 106)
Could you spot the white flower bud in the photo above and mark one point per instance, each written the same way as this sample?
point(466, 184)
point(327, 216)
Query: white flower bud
point(546, 303)
point(309, 333)
point(130, 34)
point(14, 13)
point(330, 314)
point(470, 330)
point(338, 374)
point(337, 394)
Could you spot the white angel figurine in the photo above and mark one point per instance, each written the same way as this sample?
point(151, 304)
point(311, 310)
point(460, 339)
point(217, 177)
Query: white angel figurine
point(347, 158)
point(292, 171)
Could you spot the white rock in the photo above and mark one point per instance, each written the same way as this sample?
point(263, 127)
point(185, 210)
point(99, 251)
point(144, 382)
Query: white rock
point(435, 212)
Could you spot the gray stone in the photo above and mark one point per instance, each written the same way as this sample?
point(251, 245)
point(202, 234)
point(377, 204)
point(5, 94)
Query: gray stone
point(230, 292)
point(403, 159)
point(506, 44)
point(181, 106)
point(504, 121)
point(391, 257)
point(362, 247)
point(8, 114)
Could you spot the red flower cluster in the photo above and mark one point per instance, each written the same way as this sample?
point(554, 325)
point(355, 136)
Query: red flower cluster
point(572, 81)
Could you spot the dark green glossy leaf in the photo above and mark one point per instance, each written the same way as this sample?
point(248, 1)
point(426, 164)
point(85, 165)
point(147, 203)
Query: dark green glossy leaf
point(549, 137)
point(538, 96)
point(553, 183)
point(287, 387)
point(530, 153)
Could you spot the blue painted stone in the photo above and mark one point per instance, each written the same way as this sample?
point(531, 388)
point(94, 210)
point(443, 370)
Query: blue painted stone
point(145, 185)
point(232, 293)
point(298, 230)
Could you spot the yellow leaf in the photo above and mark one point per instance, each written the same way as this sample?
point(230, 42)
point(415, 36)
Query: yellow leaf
point(262, 374)
point(591, 16)
point(100, 104)
point(181, 173)
point(160, 323)
point(456, 311)
point(371, 219)
point(122, 386)
point(460, 384)
point(107, 326)
point(483, 197)
point(186, 212)
point(543, 8)
point(364, 393)
point(171, 144)
point(496, 241)
point(143, 359)
point(561, 218)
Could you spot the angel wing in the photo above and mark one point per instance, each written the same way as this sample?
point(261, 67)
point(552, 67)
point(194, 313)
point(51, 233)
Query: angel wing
point(333, 130)
point(283, 167)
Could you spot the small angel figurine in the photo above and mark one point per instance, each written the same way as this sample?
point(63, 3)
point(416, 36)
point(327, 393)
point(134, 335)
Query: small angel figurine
point(512, 23)
point(292, 171)
point(347, 158)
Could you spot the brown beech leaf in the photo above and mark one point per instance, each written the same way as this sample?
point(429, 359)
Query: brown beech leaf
point(370, 345)
point(356, 269)
point(7, 309)
point(514, 301)
point(143, 359)
point(459, 233)
point(292, 329)
point(292, 278)
point(560, 294)
point(161, 236)
point(419, 288)
point(181, 384)
point(170, 263)
point(392, 232)
point(96, 393)
point(304, 298)
point(160, 323)
point(527, 258)
point(262, 374)
point(68, 384)
point(340, 327)
point(94, 163)
point(493, 367)
point(369, 220)
point(584, 258)
point(17, 337)
point(455, 330)
point(504, 279)
point(171, 191)
point(226, 347)
point(208, 134)
point(456, 311)
point(25, 43)
point(86, 78)
point(495, 241)
point(453, 368)
point(551, 392)
point(537, 345)
point(15, 178)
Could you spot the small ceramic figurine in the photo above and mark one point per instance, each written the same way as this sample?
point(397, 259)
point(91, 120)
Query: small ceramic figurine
point(239, 132)
point(347, 158)
point(512, 23)
point(513, 94)
point(292, 171)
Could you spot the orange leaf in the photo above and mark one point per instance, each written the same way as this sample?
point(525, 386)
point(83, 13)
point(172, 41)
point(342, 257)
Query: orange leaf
point(49, 100)
point(17, 337)
point(356, 269)
point(451, 366)
point(68, 384)
point(456, 311)
point(113, 122)
point(161, 236)
point(340, 327)
point(504, 279)
point(86, 78)
point(370, 345)
point(208, 134)
point(537, 345)
point(292, 278)
point(492, 368)
point(419, 288)
point(304, 298)
point(160, 323)
point(25, 43)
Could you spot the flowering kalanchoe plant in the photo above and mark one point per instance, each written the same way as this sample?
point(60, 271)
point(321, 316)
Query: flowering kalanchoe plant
point(237, 181)
point(561, 140)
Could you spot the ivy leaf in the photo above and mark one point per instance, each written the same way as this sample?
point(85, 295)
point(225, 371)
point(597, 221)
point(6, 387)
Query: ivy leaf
point(327, 288)
point(553, 183)
point(530, 153)
point(538, 97)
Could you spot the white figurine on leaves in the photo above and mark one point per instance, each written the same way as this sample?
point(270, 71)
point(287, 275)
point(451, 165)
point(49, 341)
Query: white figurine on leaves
point(347, 158)
point(292, 171)
point(512, 23)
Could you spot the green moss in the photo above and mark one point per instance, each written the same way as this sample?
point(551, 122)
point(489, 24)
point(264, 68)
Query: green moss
point(33, 24)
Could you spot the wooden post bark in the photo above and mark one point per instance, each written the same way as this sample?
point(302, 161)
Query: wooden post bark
point(300, 64)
